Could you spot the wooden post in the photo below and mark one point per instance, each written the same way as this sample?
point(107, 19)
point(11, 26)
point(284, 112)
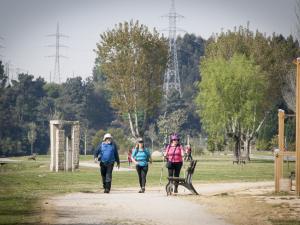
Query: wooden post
point(298, 128)
point(281, 116)
point(278, 155)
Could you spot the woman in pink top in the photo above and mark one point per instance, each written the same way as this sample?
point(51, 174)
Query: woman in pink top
point(174, 153)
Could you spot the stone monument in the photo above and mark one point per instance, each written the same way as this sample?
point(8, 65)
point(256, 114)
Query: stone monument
point(64, 145)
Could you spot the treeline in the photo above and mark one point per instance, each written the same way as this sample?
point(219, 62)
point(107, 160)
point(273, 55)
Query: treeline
point(232, 87)
point(246, 78)
point(28, 104)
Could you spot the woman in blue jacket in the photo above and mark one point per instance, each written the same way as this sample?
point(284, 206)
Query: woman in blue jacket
point(140, 157)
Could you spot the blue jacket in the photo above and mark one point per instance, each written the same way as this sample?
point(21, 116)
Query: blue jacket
point(107, 153)
point(142, 157)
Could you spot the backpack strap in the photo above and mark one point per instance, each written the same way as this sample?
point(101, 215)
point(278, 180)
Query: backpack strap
point(135, 153)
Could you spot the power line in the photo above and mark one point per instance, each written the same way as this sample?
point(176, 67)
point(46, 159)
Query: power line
point(57, 35)
point(171, 77)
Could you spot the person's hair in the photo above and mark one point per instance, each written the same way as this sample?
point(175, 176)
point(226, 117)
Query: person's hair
point(141, 143)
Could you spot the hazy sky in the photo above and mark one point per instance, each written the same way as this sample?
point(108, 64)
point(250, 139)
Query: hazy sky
point(24, 25)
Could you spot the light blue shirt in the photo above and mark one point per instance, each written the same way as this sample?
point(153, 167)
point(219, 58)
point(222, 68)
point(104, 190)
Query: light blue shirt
point(141, 156)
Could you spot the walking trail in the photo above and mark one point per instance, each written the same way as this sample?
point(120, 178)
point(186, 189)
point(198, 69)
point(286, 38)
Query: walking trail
point(126, 206)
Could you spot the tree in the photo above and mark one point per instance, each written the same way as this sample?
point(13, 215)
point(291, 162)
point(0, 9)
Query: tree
point(230, 97)
point(31, 135)
point(172, 122)
point(273, 54)
point(133, 61)
point(151, 133)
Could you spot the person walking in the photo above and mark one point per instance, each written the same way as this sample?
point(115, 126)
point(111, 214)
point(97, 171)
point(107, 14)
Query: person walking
point(141, 157)
point(107, 154)
point(174, 155)
point(129, 154)
point(188, 153)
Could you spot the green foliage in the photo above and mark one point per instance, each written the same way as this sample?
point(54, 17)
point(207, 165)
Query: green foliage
point(190, 49)
point(133, 60)
point(230, 94)
point(19, 107)
point(172, 123)
point(273, 54)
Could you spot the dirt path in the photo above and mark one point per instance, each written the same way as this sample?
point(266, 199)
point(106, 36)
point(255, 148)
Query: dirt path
point(126, 206)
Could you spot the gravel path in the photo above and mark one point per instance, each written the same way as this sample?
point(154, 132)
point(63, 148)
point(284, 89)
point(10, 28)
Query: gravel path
point(126, 207)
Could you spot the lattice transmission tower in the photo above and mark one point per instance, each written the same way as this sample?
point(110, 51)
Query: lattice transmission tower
point(171, 77)
point(56, 73)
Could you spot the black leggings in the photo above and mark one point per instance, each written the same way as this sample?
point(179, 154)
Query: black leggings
point(142, 172)
point(174, 171)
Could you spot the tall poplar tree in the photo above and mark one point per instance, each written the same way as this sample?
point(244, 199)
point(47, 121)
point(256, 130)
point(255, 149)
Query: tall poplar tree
point(133, 61)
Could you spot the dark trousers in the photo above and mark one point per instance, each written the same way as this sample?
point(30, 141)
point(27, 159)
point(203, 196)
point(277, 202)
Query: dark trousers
point(142, 172)
point(174, 171)
point(106, 174)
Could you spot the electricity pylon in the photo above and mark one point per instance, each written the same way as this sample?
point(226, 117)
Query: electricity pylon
point(57, 35)
point(171, 77)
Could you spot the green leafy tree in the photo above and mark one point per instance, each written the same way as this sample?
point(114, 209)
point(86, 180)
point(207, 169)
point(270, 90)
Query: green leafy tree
point(229, 99)
point(172, 122)
point(133, 61)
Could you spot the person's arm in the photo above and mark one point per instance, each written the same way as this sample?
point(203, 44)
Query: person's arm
point(182, 151)
point(96, 152)
point(166, 151)
point(117, 158)
point(133, 156)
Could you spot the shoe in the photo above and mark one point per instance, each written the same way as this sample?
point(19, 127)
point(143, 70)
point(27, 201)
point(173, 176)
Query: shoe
point(106, 191)
point(176, 190)
point(143, 190)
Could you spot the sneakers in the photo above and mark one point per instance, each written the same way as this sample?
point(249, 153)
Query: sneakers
point(142, 190)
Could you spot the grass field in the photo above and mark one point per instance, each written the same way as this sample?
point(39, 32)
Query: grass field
point(24, 184)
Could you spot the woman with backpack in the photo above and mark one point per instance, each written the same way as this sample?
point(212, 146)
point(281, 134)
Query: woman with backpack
point(141, 157)
point(174, 155)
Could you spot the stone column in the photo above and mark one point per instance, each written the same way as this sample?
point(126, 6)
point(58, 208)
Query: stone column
point(60, 150)
point(75, 145)
point(53, 129)
point(68, 154)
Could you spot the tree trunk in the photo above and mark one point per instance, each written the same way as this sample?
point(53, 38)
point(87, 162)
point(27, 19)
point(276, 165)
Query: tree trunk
point(152, 144)
point(85, 134)
point(248, 149)
point(131, 126)
point(31, 148)
point(136, 124)
point(237, 147)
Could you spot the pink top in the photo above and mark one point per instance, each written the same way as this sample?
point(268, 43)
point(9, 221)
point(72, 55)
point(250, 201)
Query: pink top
point(174, 157)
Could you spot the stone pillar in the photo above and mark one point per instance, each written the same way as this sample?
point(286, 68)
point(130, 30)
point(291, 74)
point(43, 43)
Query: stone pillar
point(75, 145)
point(60, 150)
point(54, 124)
point(68, 154)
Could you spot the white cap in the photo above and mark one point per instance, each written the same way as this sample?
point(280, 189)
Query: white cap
point(107, 136)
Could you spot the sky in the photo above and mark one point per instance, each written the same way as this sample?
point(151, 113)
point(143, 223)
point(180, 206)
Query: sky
point(25, 24)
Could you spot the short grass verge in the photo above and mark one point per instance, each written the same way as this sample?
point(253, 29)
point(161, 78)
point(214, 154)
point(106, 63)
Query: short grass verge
point(24, 184)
